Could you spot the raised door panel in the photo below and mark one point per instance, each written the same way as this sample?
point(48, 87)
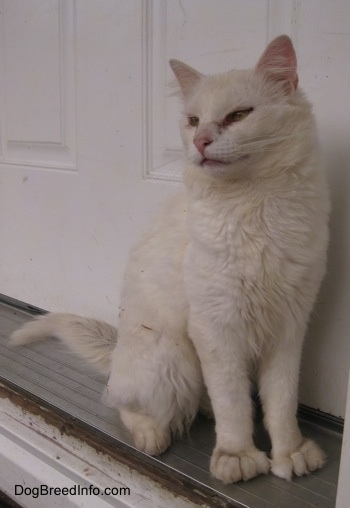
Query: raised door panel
point(38, 83)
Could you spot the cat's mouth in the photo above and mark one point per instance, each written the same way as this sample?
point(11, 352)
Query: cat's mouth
point(218, 162)
point(212, 162)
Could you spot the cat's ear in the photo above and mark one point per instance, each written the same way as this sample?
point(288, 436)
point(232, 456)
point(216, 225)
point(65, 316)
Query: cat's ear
point(279, 63)
point(186, 76)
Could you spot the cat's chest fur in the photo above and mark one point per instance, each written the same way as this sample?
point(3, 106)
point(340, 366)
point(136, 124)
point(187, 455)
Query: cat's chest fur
point(242, 263)
point(230, 235)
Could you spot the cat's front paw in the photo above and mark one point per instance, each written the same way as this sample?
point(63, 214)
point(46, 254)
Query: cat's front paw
point(149, 436)
point(151, 440)
point(231, 468)
point(308, 457)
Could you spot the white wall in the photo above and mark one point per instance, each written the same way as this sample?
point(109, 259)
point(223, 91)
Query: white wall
point(322, 36)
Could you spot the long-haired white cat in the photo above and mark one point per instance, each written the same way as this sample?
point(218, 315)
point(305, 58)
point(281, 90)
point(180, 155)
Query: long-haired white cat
point(218, 292)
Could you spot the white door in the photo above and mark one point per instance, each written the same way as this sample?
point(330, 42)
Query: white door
point(90, 148)
point(75, 192)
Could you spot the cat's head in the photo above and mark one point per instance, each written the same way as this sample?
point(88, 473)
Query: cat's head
point(233, 120)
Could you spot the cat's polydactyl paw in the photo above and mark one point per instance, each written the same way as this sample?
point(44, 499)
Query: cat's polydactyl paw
point(308, 457)
point(230, 468)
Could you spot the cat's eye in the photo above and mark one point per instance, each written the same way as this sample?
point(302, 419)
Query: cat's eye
point(193, 121)
point(237, 116)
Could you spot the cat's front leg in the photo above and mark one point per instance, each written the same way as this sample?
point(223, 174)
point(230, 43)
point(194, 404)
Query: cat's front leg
point(225, 372)
point(278, 383)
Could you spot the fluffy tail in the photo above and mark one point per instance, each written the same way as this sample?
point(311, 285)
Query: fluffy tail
point(92, 340)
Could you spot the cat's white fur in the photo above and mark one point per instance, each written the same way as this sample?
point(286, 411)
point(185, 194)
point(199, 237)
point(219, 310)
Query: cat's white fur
point(219, 290)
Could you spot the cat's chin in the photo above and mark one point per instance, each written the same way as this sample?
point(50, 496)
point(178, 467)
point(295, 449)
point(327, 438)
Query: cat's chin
point(221, 169)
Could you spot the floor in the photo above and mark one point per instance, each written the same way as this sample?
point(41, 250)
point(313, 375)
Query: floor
point(53, 375)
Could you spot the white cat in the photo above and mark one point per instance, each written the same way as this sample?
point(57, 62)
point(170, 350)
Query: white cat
point(219, 291)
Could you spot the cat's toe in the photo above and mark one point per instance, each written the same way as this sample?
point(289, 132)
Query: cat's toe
point(231, 468)
point(148, 434)
point(151, 440)
point(308, 457)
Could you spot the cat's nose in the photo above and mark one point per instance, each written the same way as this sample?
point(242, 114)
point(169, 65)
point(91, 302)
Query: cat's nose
point(201, 143)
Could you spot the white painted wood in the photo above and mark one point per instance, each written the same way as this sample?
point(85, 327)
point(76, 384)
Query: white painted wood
point(99, 97)
point(33, 453)
point(343, 492)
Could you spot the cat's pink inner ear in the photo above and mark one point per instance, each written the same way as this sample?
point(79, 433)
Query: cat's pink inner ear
point(186, 76)
point(279, 62)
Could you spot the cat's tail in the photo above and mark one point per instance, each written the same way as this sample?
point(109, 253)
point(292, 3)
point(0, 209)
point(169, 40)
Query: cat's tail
point(92, 340)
